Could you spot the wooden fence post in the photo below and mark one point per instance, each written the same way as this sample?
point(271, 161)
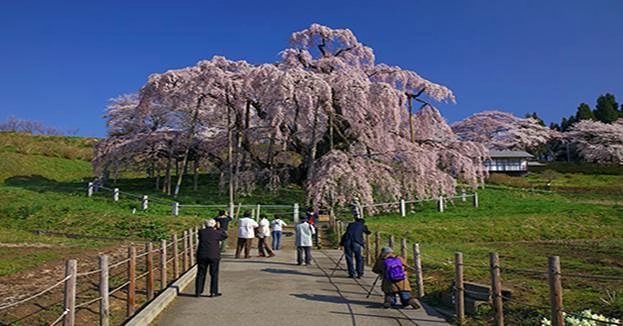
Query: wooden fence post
point(191, 243)
point(403, 248)
point(115, 194)
point(368, 255)
point(69, 305)
point(377, 243)
point(131, 280)
point(90, 189)
point(176, 258)
point(390, 241)
point(105, 302)
point(440, 204)
point(163, 264)
point(475, 200)
point(459, 295)
point(417, 259)
point(149, 265)
point(185, 252)
point(555, 290)
point(496, 288)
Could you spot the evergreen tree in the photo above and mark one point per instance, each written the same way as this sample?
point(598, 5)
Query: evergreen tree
point(554, 126)
point(534, 116)
point(584, 112)
point(606, 109)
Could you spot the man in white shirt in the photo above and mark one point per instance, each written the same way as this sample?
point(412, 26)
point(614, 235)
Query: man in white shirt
point(246, 233)
point(304, 234)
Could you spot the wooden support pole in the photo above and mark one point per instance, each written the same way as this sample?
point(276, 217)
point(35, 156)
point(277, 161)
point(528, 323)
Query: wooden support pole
point(132, 280)
point(555, 290)
point(403, 249)
point(368, 254)
point(105, 302)
point(417, 260)
point(176, 258)
point(185, 252)
point(496, 288)
point(459, 294)
point(71, 269)
point(191, 244)
point(149, 265)
point(390, 241)
point(163, 264)
point(377, 244)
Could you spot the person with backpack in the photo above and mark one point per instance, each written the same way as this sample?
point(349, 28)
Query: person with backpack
point(395, 281)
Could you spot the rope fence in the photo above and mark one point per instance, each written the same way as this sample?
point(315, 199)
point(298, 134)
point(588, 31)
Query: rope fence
point(154, 265)
point(492, 293)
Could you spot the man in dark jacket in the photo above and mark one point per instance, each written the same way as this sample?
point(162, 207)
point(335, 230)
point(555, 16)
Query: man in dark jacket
point(352, 241)
point(209, 255)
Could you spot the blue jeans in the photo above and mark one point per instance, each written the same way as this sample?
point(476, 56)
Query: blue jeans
point(405, 296)
point(350, 249)
point(276, 240)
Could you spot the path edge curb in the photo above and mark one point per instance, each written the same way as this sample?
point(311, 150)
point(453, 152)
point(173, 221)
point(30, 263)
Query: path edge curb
point(151, 311)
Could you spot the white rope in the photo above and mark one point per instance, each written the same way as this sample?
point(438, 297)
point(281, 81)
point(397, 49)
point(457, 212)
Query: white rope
point(119, 263)
point(36, 295)
point(60, 318)
point(119, 288)
point(88, 302)
point(88, 273)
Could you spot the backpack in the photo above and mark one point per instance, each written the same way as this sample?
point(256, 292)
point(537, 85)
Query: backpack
point(393, 269)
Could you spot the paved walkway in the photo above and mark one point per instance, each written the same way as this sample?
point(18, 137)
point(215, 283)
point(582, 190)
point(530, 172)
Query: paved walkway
point(276, 291)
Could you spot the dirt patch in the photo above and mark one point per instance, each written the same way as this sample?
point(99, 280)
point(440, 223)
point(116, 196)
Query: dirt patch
point(48, 307)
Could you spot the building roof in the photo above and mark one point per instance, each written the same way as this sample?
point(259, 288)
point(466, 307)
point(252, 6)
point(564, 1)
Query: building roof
point(509, 154)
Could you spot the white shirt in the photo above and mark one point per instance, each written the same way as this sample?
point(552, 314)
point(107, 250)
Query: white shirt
point(246, 226)
point(304, 232)
point(263, 230)
point(278, 224)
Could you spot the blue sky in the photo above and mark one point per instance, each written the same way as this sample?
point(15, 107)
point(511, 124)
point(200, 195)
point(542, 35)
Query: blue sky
point(61, 61)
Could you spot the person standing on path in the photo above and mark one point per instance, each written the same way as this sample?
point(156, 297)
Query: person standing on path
point(353, 242)
point(277, 227)
point(263, 232)
point(312, 216)
point(209, 255)
point(222, 223)
point(304, 242)
point(246, 233)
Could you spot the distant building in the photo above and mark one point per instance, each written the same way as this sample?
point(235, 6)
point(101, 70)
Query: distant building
point(508, 161)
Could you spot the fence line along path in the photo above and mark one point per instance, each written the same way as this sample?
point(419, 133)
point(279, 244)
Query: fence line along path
point(276, 291)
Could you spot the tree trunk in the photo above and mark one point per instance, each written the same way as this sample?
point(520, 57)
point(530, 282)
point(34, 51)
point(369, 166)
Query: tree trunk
point(411, 130)
point(189, 138)
point(196, 174)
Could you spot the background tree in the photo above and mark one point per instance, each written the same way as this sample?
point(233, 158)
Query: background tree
point(504, 131)
point(584, 112)
point(596, 141)
point(606, 109)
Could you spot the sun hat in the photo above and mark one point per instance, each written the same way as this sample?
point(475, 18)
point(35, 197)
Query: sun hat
point(386, 250)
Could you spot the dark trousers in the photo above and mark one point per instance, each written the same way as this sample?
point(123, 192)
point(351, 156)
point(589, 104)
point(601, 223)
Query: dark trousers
point(350, 249)
point(263, 249)
point(202, 267)
point(243, 244)
point(300, 251)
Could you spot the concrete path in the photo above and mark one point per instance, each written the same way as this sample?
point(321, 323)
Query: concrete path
point(276, 291)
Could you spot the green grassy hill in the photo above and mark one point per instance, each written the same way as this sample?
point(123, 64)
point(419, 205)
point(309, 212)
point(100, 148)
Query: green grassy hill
point(43, 186)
